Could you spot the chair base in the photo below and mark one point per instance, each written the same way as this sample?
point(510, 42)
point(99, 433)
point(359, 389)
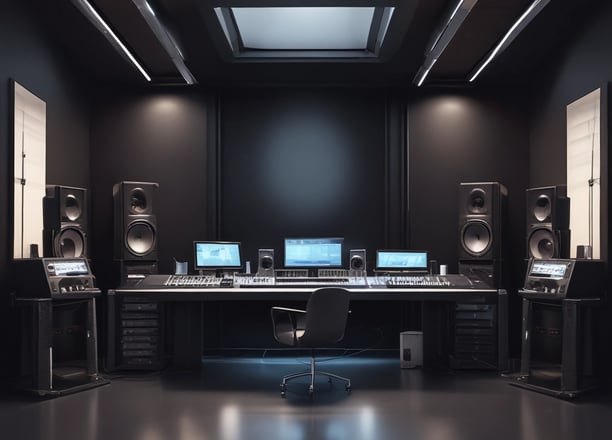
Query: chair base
point(312, 373)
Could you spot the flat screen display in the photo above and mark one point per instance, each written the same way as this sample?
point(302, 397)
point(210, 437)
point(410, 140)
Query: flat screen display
point(217, 255)
point(70, 267)
point(548, 269)
point(313, 252)
point(401, 260)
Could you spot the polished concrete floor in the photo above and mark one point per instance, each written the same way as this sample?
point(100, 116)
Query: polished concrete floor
point(238, 398)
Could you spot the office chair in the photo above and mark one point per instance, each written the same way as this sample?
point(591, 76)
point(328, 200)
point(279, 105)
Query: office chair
point(322, 323)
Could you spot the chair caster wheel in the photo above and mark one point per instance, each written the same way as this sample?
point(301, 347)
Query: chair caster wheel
point(283, 394)
point(310, 390)
point(347, 388)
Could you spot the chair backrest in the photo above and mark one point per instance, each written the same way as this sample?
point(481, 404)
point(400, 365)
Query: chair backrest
point(326, 313)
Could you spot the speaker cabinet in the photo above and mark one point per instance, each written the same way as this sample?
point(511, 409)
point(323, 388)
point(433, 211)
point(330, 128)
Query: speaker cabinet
point(265, 265)
point(135, 221)
point(357, 261)
point(65, 222)
point(482, 209)
point(547, 222)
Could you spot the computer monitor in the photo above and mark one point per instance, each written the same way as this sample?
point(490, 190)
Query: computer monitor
point(217, 255)
point(313, 252)
point(401, 261)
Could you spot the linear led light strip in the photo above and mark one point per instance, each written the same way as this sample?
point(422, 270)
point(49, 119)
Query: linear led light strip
point(88, 10)
point(165, 39)
point(533, 10)
point(444, 36)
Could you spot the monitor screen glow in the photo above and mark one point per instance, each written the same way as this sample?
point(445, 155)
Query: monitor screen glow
point(401, 260)
point(313, 252)
point(217, 255)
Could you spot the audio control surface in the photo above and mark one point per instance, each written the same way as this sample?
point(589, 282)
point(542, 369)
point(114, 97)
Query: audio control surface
point(197, 281)
point(434, 281)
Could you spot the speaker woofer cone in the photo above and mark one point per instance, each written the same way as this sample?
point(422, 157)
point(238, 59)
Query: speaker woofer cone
point(70, 243)
point(356, 262)
point(267, 262)
point(542, 244)
point(476, 237)
point(140, 238)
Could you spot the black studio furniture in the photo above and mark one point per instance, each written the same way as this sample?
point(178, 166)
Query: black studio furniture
point(321, 324)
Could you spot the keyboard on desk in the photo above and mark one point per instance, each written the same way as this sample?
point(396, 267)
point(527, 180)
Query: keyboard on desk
point(429, 281)
point(197, 281)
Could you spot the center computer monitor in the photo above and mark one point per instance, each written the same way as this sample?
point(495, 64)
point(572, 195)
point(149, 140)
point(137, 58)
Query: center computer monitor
point(217, 255)
point(401, 260)
point(313, 252)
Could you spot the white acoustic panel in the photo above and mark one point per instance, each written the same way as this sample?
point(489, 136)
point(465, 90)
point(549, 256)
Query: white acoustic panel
point(584, 171)
point(29, 170)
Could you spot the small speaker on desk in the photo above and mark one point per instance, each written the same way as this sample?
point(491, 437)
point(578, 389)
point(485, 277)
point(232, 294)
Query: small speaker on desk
point(265, 265)
point(357, 261)
point(548, 234)
point(65, 222)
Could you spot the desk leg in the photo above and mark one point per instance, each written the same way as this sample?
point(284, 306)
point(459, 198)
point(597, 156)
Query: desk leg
point(43, 358)
point(569, 361)
point(92, 338)
point(187, 335)
point(526, 337)
point(434, 324)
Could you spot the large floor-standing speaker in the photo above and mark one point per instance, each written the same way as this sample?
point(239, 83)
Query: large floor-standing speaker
point(135, 221)
point(65, 222)
point(479, 341)
point(482, 216)
point(548, 212)
point(139, 325)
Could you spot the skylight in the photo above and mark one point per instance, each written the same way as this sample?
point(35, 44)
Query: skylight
point(303, 28)
point(318, 32)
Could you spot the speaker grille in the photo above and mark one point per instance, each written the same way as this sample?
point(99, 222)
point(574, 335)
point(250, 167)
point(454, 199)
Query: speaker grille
point(140, 238)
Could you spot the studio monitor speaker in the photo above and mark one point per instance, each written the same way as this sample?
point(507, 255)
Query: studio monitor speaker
point(547, 222)
point(135, 221)
point(481, 216)
point(265, 265)
point(357, 260)
point(65, 222)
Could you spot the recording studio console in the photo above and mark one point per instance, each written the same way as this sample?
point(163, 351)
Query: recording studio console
point(564, 278)
point(54, 278)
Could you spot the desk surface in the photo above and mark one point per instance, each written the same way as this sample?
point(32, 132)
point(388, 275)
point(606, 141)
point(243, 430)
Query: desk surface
point(302, 293)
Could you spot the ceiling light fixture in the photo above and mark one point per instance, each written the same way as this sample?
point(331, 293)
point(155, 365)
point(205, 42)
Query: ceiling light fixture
point(166, 40)
point(447, 30)
point(88, 10)
point(533, 10)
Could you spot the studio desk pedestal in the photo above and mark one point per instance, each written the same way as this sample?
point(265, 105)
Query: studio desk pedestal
point(187, 304)
point(49, 376)
point(558, 360)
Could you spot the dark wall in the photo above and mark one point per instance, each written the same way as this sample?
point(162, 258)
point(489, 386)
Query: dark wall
point(30, 57)
point(157, 136)
point(303, 163)
point(464, 136)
